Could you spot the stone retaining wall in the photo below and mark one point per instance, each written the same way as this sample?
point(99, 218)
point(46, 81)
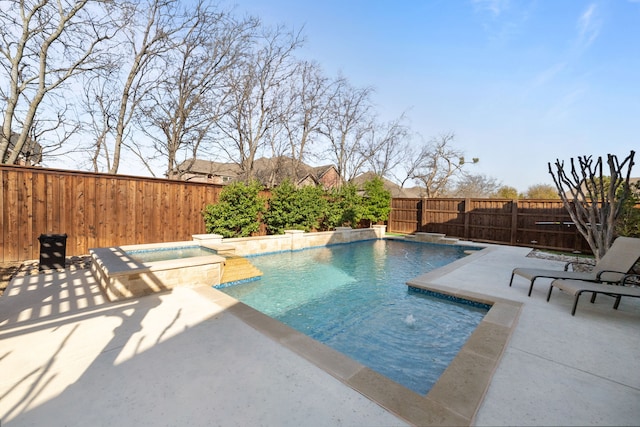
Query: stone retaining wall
point(292, 240)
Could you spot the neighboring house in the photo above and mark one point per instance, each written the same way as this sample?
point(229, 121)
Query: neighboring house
point(272, 171)
point(410, 193)
point(195, 170)
point(325, 176)
point(269, 171)
point(396, 191)
point(30, 154)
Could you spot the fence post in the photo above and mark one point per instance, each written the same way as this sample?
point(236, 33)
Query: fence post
point(423, 215)
point(467, 207)
point(514, 222)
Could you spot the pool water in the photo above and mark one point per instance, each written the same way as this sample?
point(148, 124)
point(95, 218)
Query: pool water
point(164, 254)
point(354, 298)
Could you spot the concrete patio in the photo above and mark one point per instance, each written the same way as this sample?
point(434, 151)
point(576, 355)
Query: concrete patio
point(192, 356)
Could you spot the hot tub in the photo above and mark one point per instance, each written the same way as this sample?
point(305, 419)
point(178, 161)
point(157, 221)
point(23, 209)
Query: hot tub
point(122, 273)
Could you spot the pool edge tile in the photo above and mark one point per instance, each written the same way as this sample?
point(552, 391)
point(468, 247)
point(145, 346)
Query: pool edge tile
point(446, 269)
point(219, 298)
point(332, 361)
point(488, 340)
point(504, 314)
point(269, 326)
point(462, 386)
point(415, 409)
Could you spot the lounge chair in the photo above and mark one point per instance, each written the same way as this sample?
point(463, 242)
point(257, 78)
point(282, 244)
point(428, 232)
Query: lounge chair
point(618, 261)
point(577, 287)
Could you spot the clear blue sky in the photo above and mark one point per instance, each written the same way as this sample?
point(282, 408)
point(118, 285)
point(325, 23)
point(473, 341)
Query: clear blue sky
point(519, 82)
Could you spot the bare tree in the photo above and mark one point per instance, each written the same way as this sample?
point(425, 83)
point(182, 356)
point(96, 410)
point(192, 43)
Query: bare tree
point(346, 126)
point(257, 90)
point(387, 146)
point(99, 103)
point(594, 201)
point(310, 95)
point(191, 95)
point(435, 164)
point(44, 44)
point(115, 98)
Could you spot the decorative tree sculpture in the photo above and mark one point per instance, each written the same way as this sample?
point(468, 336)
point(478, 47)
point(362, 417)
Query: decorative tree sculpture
point(597, 199)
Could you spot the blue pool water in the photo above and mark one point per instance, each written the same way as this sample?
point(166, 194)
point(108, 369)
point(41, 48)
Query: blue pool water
point(354, 298)
point(164, 254)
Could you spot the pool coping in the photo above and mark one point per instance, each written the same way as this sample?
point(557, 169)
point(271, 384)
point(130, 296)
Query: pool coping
point(115, 261)
point(458, 393)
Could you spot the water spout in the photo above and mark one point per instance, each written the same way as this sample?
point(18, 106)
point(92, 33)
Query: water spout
point(410, 320)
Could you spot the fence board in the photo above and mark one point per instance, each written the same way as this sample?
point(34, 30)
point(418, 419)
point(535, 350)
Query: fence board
point(27, 211)
point(3, 210)
point(165, 203)
point(141, 221)
point(11, 216)
point(39, 206)
point(79, 200)
point(129, 189)
point(101, 209)
point(90, 212)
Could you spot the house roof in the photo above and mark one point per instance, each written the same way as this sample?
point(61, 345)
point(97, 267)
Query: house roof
point(207, 167)
point(320, 171)
point(31, 151)
point(268, 170)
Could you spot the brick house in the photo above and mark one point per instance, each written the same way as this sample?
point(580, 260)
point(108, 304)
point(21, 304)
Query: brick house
point(268, 171)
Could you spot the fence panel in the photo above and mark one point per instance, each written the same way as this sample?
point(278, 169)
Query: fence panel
point(536, 223)
point(95, 210)
point(547, 224)
point(489, 220)
point(99, 210)
point(406, 213)
point(444, 216)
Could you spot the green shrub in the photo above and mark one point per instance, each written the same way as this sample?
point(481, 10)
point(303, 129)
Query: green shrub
point(628, 222)
point(292, 208)
point(237, 213)
point(240, 208)
point(345, 208)
point(376, 204)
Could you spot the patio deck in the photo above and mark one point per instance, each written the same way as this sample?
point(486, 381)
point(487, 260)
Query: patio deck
point(189, 357)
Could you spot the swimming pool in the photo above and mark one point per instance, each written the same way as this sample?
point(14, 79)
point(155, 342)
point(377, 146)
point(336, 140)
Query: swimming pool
point(354, 298)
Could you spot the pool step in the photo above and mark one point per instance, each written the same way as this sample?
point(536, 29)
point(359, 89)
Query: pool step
point(238, 268)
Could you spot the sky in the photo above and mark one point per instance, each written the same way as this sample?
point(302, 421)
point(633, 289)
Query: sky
point(520, 83)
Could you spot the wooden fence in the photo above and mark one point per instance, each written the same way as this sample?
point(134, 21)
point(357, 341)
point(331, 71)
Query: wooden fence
point(100, 210)
point(535, 223)
point(95, 210)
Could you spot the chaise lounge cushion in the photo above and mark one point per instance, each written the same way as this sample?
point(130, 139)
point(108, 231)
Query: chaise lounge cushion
point(577, 287)
point(618, 261)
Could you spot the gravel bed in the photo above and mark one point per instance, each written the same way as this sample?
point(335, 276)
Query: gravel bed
point(583, 263)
